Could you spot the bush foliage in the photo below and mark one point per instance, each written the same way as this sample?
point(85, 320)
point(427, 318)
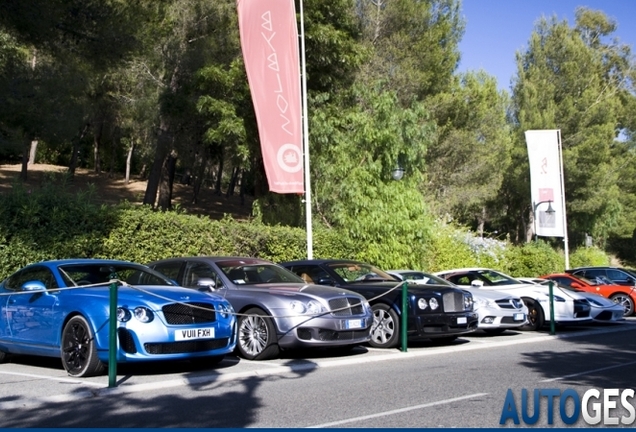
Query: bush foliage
point(50, 222)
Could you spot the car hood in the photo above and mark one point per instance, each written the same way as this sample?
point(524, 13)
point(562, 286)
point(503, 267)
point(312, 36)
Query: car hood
point(299, 288)
point(491, 294)
point(154, 295)
point(413, 288)
point(521, 290)
point(604, 302)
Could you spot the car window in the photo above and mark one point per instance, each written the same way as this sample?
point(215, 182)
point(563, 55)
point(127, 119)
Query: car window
point(170, 269)
point(252, 272)
point(617, 275)
point(352, 271)
point(593, 273)
point(39, 273)
point(562, 280)
point(197, 271)
point(88, 274)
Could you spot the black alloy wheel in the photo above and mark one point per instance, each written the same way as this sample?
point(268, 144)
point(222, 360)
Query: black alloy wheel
point(79, 354)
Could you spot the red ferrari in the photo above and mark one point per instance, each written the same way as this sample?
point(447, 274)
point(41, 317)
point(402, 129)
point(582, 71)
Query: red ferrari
point(621, 294)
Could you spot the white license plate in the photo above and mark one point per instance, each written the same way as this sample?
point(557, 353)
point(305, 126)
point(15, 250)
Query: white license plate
point(461, 320)
point(353, 324)
point(198, 333)
point(519, 317)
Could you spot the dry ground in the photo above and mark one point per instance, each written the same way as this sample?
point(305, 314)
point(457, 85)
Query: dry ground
point(113, 190)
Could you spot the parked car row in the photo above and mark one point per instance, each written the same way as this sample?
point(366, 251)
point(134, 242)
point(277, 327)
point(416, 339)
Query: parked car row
point(203, 308)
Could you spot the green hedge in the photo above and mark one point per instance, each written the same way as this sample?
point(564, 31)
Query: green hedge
point(50, 222)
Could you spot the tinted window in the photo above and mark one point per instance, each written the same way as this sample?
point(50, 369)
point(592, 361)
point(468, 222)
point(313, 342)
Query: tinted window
point(169, 269)
point(617, 275)
point(42, 274)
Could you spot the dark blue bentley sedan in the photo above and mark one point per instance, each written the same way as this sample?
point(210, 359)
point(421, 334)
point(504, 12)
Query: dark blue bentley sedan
point(437, 312)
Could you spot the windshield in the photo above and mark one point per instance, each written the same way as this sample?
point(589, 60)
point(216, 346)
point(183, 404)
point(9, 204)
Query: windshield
point(423, 278)
point(245, 272)
point(360, 272)
point(90, 274)
point(486, 276)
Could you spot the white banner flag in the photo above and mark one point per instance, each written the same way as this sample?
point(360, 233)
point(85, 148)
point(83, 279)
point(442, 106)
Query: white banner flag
point(548, 204)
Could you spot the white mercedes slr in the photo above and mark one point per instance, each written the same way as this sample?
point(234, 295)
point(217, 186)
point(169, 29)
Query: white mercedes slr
point(569, 307)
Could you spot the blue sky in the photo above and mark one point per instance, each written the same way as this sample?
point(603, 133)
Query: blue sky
point(496, 29)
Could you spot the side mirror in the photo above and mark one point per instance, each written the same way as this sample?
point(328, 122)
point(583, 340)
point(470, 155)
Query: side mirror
point(325, 281)
point(576, 285)
point(477, 283)
point(206, 283)
point(33, 286)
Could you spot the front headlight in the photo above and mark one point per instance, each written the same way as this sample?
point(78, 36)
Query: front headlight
point(480, 302)
point(123, 314)
point(468, 302)
point(297, 307)
point(594, 302)
point(314, 307)
point(225, 310)
point(422, 304)
point(143, 314)
point(433, 303)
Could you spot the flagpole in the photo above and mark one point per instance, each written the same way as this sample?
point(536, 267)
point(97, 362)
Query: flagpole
point(310, 246)
point(565, 224)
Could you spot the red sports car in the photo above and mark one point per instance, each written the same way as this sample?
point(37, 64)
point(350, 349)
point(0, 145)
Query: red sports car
point(624, 295)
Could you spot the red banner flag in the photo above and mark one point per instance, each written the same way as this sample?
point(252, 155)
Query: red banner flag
point(269, 40)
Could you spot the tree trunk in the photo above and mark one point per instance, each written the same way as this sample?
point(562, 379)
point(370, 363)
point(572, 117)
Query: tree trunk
point(167, 181)
point(230, 188)
point(199, 173)
point(34, 149)
point(219, 177)
point(76, 143)
point(150, 197)
point(25, 158)
point(97, 139)
point(128, 160)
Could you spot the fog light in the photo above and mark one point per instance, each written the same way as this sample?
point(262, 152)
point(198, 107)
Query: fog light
point(488, 320)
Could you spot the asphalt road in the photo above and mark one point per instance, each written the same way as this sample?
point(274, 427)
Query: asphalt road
point(461, 385)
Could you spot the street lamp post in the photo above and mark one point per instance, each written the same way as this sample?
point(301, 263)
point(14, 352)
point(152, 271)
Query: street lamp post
point(549, 211)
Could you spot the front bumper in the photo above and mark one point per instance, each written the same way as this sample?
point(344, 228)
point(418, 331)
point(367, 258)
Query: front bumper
point(430, 326)
point(493, 318)
point(325, 331)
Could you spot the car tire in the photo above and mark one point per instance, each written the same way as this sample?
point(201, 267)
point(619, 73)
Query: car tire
point(385, 332)
point(257, 338)
point(625, 301)
point(535, 315)
point(79, 354)
point(494, 332)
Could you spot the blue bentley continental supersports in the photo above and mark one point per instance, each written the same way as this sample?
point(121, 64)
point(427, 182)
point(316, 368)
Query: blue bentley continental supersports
point(61, 309)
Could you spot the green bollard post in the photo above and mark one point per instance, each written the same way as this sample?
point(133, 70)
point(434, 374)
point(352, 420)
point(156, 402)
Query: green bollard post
point(112, 334)
point(551, 292)
point(405, 308)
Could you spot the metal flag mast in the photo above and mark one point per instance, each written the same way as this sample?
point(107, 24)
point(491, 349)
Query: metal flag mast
point(310, 240)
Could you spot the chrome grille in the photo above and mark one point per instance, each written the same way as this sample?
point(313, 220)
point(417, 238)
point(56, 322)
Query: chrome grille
point(342, 306)
point(509, 303)
point(453, 301)
point(189, 313)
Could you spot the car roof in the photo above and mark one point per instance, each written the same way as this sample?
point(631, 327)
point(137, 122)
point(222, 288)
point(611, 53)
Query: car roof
point(83, 261)
point(214, 258)
point(323, 261)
